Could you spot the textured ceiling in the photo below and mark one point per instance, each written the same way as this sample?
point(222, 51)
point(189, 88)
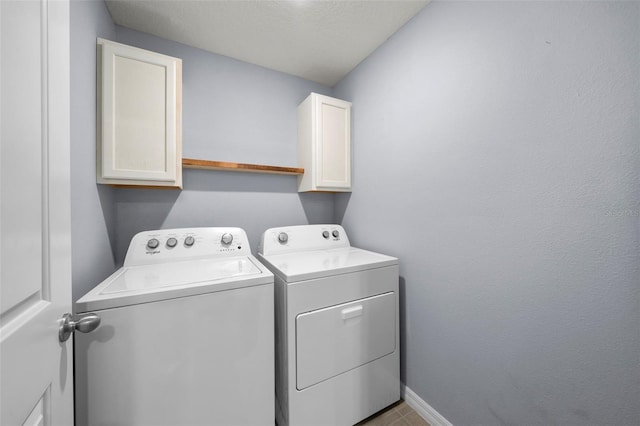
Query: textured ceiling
point(319, 40)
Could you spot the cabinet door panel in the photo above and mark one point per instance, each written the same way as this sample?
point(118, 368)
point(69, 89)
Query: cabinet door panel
point(324, 144)
point(139, 109)
point(140, 123)
point(334, 146)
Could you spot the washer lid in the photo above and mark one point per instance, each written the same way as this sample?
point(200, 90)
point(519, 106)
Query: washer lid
point(147, 283)
point(306, 265)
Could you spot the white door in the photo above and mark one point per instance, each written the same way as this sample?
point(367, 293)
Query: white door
point(36, 381)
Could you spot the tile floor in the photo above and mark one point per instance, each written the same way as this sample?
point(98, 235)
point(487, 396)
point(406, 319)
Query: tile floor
point(399, 414)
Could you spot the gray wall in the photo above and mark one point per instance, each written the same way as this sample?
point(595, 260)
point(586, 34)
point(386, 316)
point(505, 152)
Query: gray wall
point(497, 155)
point(92, 206)
point(499, 140)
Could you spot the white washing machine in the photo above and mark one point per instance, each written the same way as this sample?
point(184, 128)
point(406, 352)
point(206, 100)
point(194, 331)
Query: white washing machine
point(186, 335)
point(337, 338)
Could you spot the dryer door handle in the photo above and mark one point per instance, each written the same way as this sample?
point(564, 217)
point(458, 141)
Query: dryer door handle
point(352, 312)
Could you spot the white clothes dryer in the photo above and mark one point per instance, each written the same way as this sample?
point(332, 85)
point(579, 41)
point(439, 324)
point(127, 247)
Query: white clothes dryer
point(337, 336)
point(186, 335)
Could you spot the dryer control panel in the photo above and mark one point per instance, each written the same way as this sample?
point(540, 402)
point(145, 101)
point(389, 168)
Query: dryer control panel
point(173, 245)
point(302, 238)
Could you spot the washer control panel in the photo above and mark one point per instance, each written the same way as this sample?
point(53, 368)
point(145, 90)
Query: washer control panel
point(300, 238)
point(186, 243)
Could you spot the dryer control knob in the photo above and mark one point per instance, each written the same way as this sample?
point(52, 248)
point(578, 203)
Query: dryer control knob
point(325, 234)
point(283, 237)
point(335, 233)
point(227, 238)
point(189, 241)
point(153, 243)
point(171, 242)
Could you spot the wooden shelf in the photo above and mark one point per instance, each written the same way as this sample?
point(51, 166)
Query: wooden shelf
point(191, 163)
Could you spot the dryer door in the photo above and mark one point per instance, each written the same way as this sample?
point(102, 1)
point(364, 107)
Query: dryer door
point(336, 339)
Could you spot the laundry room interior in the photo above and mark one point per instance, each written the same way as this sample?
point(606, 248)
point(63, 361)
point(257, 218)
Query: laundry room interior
point(494, 152)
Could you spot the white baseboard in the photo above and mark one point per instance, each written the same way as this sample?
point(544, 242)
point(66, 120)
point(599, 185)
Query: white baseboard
point(426, 411)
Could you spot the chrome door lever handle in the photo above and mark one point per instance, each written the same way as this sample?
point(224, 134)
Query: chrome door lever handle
point(84, 324)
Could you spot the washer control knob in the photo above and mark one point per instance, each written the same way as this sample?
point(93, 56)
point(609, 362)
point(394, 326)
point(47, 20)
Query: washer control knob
point(189, 241)
point(172, 242)
point(335, 233)
point(283, 237)
point(325, 234)
point(227, 238)
point(153, 243)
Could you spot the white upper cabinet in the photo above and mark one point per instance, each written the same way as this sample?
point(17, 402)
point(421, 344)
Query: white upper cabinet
point(324, 144)
point(139, 117)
